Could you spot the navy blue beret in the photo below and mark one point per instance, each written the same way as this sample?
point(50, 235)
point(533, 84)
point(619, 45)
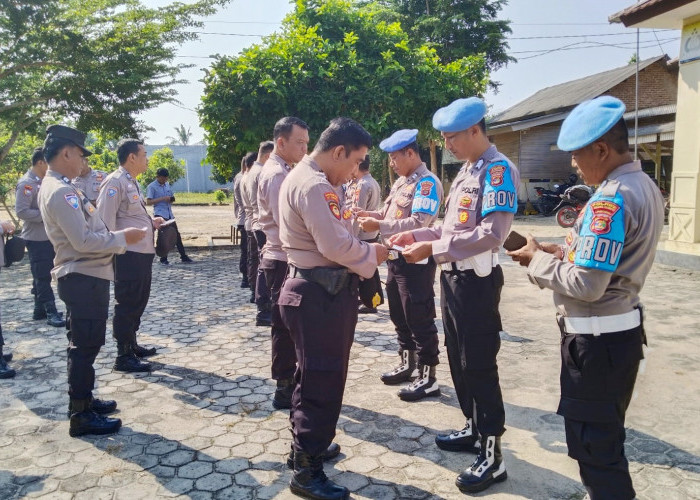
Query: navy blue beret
point(589, 121)
point(399, 140)
point(459, 115)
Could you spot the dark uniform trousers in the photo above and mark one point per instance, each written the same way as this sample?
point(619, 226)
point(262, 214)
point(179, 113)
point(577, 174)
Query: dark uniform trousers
point(262, 293)
point(597, 380)
point(472, 327)
point(322, 327)
point(284, 358)
point(409, 289)
point(132, 288)
point(41, 255)
point(87, 307)
point(243, 245)
point(253, 260)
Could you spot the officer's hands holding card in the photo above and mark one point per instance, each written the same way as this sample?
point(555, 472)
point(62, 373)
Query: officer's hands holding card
point(382, 252)
point(7, 227)
point(402, 239)
point(134, 234)
point(418, 251)
point(368, 224)
point(525, 253)
point(157, 222)
point(358, 212)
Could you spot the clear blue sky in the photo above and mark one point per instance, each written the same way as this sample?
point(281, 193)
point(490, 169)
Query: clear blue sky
point(554, 41)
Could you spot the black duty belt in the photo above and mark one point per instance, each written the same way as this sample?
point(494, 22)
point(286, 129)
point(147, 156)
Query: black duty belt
point(331, 279)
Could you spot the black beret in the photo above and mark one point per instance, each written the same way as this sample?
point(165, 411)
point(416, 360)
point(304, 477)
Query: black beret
point(68, 133)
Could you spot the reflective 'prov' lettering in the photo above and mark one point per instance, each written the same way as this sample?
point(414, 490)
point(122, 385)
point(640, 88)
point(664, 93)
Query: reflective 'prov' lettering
point(602, 233)
point(425, 199)
point(499, 191)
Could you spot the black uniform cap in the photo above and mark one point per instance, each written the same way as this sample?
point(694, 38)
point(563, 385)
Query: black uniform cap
point(70, 134)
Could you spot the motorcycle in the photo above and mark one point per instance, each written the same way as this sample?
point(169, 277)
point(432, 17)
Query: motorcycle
point(572, 202)
point(548, 199)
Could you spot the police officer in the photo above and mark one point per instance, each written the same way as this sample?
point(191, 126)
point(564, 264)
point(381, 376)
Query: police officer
point(160, 195)
point(480, 209)
point(239, 212)
point(260, 294)
point(83, 269)
point(89, 181)
point(596, 277)
point(291, 139)
point(320, 295)
point(39, 247)
point(364, 194)
point(413, 203)
point(6, 227)
point(120, 204)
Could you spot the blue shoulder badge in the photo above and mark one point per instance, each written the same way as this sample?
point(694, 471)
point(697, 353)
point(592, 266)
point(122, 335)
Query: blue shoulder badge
point(426, 200)
point(500, 194)
point(602, 233)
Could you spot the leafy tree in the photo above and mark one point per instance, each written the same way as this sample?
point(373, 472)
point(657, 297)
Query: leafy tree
point(99, 62)
point(456, 29)
point(332, 58)
point(162, 158)
point(104, 151)
point(183, 136)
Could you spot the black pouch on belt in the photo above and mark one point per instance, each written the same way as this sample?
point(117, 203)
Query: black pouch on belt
point(332, 279)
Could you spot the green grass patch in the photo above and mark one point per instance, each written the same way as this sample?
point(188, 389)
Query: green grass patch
point(199, 198)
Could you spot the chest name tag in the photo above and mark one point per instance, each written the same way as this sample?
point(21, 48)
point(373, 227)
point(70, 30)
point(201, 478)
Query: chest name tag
point(602, 233)
point(499, 191)
point(425, 200)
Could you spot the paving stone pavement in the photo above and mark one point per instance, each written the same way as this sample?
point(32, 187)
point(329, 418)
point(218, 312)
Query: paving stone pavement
point(201, 425)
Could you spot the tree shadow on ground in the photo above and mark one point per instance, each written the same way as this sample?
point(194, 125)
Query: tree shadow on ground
point(11, 484)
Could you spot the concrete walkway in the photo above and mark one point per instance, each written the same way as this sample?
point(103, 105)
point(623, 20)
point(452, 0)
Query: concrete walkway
point(201, 425)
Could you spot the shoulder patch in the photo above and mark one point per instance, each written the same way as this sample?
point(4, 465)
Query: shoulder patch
point(602, 234)
point(347, 213)
point(426, 200)
point(27, 190)
point(500, 194)
point(333, 203)
point(111, 192)
point(72, 200)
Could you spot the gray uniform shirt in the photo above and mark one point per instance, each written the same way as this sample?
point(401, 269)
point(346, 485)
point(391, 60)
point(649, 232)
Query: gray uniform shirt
point(315, 230)
point(365, 194)
point(270, 181)
point(400, 213)
point(249, 193)
point(121, 205)
point(82, 242)
point(465, 231)
point(238, 210)
point(584, 292)
point(90, 183)
point(27, 207)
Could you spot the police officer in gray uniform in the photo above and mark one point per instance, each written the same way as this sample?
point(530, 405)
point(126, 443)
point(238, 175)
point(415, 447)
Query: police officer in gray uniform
point(479, 211)
point(239, 219)
point(413, 203)
point(39, 247)
point(596, 277)
point(89, 181)
point(83, 269)
point(318, 302)
point(121, 205)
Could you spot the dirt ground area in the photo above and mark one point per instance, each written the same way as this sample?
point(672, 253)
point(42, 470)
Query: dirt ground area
point(198, 224)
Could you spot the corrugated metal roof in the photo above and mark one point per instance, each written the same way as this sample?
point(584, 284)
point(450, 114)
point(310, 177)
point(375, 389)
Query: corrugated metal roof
point(567, 95)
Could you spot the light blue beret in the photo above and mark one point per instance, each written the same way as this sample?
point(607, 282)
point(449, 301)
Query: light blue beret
point(459, 115)
point(399, 140)
point(589, 121)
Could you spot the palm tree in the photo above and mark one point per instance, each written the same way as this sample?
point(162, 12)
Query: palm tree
point(183, 136)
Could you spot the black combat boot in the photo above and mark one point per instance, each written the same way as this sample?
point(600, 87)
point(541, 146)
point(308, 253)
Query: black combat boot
point(488, 468)
point(144, 352)
point(264, 316)
point(309, 480)
point(39, 311)
point(127, 361)
point(331, 452)
point(83, 420)
point(52, 316)
point(465, 440)
point(404, 372)
point(282, 400)
point(422, 387)
point(5, 370)
point(7, 356)
point(99, 406)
